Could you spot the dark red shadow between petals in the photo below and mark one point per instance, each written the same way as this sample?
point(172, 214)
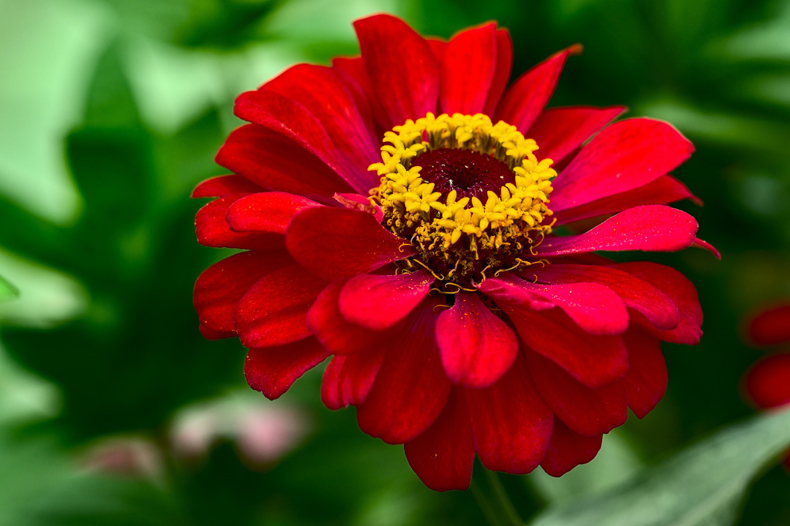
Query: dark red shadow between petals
point(337, 243)
point(589, 412)
point(411, 388)
point(443, 455)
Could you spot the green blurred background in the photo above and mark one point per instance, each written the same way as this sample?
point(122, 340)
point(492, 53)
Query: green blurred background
point(115, 411)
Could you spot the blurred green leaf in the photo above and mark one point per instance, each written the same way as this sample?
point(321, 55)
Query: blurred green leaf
point(47, 490)
point(48, 49)
point(7, 290)
point(615, 463)
point(701, 486)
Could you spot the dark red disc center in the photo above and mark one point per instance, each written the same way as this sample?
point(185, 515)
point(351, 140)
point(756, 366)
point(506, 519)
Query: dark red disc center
point(469, 173)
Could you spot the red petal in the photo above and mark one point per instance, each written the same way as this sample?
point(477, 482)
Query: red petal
point(589, 412)
point(476, 347)
point(767, 382)
point(438, 47)
point(379, 302)
point(321, 92)
point(274, 310)
point(225, 185)
point(214, 231)
point(527, 97)
point(281, 114)
point(353, 71)
point(682, 293)
point(700, 243)
point(651, 228)
point(220, 287)
point(568, 450)
point(335, 242)
point(559, 131)
point(266, 212)
point(635, 293)
point(273, 370)
point(664, 190)
point(277, 162)
point(624, 156)
point(358, 202)
point(595, 361)
point(401, 66)
point(348, 379)
point(646, 381)
point(595, 308)
point(443, 455)
point(336, 333)
point(512, 426)
point(467, 70)
point(411, 388)
point(211, 334)
point(504, 64)
point(770, 326)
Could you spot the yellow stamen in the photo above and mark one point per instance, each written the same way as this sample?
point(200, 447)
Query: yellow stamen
point(460, 231)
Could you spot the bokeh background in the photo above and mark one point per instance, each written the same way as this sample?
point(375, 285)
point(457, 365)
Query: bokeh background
point(115, 411)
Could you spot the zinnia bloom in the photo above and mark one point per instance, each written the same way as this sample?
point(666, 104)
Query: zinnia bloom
point(399, 212)
point(767, 383)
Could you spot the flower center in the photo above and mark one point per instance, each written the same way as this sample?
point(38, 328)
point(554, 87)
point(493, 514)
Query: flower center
point(470, 196)
point(469, 173)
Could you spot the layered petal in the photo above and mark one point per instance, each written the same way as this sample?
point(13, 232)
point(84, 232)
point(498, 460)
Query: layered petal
point(560, 131)
point(443, 455)
point(266, 212)
point(220, 287)
point(353, 71)
point(568, 449)
point(476, 347)
point(279, 163)
point(411, 388)
point(664, 190)
point(530, 93)
point(589, 412)
point(272, 370)
point(646, 381)
point(225, 185)
point(504, 65)
point(511, 423)
point(283, 115)
point(334, 107)
point(624, 156)
point(595, 308)
point(348, 379)
point(274, 310)
point(334, 243)
point(767, 382)
point(379, 302)
point(334, 331)
point(467, 70)
point(648, 228)
point(213, 229)
point(402, 68)
point(677, 288)
point(635, 293)
point(595, 361)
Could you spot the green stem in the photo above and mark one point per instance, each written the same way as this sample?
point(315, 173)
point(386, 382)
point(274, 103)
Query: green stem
point(504, 501)
point(485, 507)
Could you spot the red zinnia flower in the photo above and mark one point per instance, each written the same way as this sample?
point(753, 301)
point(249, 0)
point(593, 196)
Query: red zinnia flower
point(767, 383)
point(396, 212)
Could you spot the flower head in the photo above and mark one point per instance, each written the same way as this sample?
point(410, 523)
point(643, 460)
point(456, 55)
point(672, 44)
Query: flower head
point(399, 212)
point(766, 384)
